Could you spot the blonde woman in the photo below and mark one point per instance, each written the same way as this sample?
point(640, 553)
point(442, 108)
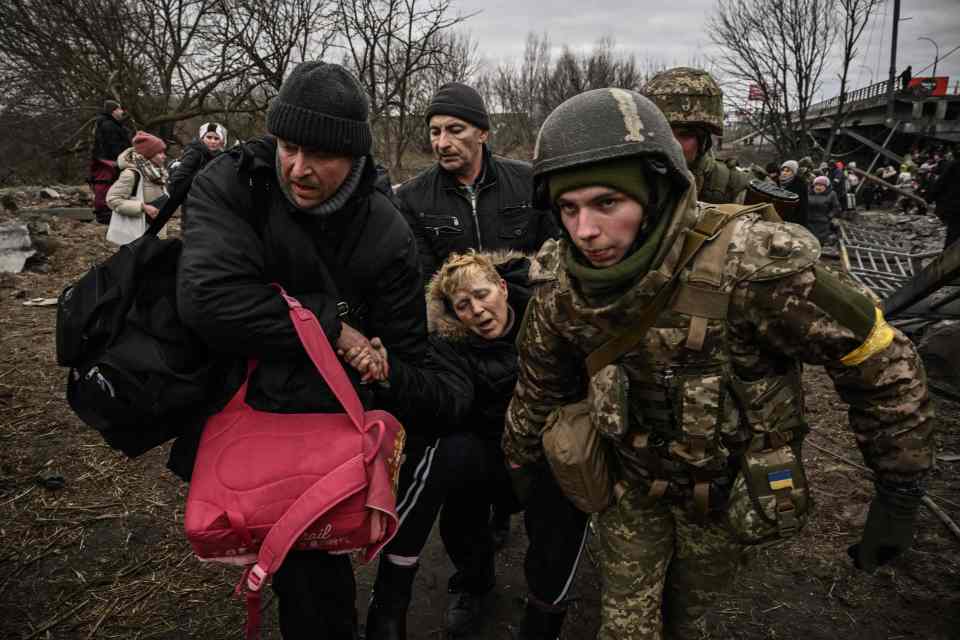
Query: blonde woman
point(475, 305)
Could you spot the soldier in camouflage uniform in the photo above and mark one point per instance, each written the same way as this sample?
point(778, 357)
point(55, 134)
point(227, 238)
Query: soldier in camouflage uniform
point(805, 172)
point(693, 104)
point(705, 415)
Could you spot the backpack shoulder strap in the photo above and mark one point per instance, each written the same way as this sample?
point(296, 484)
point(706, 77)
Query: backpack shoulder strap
point(136, 183)
point(764, 209)
point(708, 227)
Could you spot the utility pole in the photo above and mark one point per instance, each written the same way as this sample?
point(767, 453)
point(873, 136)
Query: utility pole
point(891, 86)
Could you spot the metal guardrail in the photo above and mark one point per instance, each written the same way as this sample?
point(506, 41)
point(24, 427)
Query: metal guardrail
point(877, 260)
point(874, 90)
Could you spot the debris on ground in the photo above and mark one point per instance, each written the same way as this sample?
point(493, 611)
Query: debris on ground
point(15, 246)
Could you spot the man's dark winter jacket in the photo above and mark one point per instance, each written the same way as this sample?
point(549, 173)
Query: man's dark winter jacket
point(110, 138)
point(946, 190)
point(946, 193)
point(799, 215)
point(195, 156)
point(466, 381)
point(444, 217)
point(822, 208)
point(363, 254)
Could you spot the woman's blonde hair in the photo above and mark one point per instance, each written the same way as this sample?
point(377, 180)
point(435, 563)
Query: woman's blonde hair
point(460, 268)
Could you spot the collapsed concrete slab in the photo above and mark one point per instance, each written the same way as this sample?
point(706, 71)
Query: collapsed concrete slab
point(15, 247)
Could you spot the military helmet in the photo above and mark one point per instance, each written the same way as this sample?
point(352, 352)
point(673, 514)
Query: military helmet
point(605, 124)
point(688, 96)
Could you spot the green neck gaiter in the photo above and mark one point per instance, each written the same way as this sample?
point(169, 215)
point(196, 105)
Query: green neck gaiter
point(599, 285)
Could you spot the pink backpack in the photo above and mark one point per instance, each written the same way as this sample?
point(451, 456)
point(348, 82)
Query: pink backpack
point(264, 483)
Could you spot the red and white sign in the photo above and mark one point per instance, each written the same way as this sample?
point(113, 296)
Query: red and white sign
point(930, 86)
point(756, 92)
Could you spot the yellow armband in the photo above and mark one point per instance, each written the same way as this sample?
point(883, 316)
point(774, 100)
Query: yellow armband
point(879, 339)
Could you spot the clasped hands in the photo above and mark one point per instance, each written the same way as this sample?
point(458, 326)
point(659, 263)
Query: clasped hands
point(367, 357)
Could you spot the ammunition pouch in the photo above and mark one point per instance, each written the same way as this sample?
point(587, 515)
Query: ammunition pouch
point(770, 498)
point(579, 457)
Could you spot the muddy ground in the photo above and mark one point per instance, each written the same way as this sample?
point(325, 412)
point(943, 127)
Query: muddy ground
point(92, 545)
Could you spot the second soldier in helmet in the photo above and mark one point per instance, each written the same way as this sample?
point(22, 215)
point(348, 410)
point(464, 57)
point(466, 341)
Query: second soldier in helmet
point(689, 323)
point(692, 102)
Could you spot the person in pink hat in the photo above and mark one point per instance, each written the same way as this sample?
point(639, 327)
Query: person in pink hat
point(136, 195)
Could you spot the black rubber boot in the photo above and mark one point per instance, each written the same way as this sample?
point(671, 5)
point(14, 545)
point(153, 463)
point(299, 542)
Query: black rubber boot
point(500, 525)
point(467, 594)
point(387, 615)
point(539, 623)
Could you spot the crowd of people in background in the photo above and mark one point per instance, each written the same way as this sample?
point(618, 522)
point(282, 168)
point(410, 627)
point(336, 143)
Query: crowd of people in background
point(826, 193)
point(132, 177)
point(831, 192)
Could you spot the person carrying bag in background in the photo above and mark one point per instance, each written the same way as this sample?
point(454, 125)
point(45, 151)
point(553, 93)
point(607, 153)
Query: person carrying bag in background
point(139, 192)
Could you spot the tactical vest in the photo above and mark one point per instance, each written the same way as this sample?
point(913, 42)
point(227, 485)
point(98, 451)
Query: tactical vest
point(692, 419)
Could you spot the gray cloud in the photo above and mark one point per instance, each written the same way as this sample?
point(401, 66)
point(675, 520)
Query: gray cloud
point(672, 32)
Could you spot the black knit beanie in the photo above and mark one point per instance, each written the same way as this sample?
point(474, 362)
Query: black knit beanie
point(322, 106)
point(110, 105)
point(460, 101)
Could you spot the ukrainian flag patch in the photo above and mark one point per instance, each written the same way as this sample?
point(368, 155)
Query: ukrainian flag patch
point(782, 479)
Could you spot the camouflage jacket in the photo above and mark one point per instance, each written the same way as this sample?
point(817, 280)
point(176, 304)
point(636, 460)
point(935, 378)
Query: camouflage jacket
point(717, 182)
point(724, 356)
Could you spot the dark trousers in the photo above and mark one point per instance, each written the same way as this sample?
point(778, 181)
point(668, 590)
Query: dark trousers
point(557, 534)
point(316, 593)
point(465, 474)
point(953, 228)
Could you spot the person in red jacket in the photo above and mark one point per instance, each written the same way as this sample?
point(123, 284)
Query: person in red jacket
point(110, 139)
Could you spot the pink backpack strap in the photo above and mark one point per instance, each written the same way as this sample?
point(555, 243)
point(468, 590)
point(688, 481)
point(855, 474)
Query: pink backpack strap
point(321, 353)
point(239, 399)
point(329, 491)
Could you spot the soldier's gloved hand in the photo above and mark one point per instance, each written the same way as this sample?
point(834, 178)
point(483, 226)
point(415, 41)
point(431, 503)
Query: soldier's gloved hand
point(521, 479)
point(889, 528)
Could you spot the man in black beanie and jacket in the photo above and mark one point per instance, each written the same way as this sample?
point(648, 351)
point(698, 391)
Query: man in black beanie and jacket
point(299, 208)
point(470, 199)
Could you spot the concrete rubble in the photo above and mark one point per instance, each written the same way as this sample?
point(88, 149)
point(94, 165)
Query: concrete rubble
point(886, 251)
point(15, 247)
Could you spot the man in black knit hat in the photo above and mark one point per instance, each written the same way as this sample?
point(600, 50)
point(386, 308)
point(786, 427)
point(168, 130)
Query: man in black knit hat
point(299, 208)
point(470, 199)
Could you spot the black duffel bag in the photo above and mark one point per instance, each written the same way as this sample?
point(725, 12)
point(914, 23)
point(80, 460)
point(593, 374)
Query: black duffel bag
point(137, 374)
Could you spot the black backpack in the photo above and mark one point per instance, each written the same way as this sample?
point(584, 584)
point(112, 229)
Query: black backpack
point(137, 375)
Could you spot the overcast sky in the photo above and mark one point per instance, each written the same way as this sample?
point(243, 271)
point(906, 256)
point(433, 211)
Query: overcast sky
point(673, 32)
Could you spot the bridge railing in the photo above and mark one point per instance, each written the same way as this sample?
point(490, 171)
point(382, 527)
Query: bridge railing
point(869, 92)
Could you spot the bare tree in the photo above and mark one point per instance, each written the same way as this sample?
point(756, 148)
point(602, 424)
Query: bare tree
point(517, 89)
point(782, 47)
point(530, 90)
point(854, 14)
point(275, 35)
point(391, 44)
point(165, 60)
point(600, 67)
